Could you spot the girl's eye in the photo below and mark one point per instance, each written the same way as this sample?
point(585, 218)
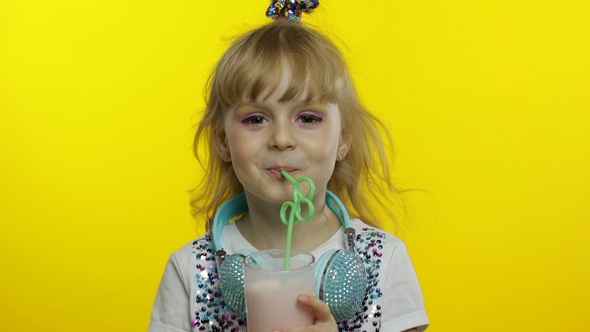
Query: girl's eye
point(309, 118)
point(254, 119)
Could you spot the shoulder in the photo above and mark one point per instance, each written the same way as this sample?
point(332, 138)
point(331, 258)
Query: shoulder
point(361, 226)
point(374, 238)
point(200, 249)
point(384, 250)
point(184, 263)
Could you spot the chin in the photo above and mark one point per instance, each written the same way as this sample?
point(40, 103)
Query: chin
point(277, 195)
point(281, 198)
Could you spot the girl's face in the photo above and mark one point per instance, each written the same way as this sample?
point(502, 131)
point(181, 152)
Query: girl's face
point(264, 136)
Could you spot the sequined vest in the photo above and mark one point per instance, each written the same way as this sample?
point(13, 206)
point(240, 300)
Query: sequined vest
point(210, 312)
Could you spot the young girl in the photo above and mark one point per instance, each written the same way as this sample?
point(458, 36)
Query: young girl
point(281, 98)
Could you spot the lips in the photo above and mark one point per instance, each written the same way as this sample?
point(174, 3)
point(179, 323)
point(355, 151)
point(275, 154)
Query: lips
point(275, 171)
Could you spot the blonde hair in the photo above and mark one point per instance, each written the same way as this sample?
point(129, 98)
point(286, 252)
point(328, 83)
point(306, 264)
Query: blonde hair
point(256, 61)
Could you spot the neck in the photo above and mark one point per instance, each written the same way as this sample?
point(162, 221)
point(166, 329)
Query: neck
point(263, 228)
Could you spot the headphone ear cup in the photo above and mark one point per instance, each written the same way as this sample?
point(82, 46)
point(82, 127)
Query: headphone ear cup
point(341, 281)
point(231, 282)
point(320, 268)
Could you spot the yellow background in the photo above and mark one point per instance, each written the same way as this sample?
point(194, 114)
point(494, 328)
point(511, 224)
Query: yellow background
point(487, 102)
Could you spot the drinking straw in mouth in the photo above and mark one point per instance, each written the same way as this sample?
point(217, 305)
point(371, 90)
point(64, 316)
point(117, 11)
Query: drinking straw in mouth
point(294, 213)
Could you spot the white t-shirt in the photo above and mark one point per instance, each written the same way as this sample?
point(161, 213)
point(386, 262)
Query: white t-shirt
point(188, 298)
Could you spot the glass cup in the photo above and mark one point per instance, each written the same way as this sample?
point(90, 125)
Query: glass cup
point(271, 291)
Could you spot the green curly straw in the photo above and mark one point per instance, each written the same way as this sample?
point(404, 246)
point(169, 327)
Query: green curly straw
point(295, 209)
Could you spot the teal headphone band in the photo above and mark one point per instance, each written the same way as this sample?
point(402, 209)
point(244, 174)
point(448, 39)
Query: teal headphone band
point(238, 205)
point(340, 275)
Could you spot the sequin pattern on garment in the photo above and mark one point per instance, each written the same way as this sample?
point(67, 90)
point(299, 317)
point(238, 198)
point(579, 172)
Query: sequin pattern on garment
point(212, 314)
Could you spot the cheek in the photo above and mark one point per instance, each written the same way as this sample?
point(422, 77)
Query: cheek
point(325, 148)
point(240, 149)
point(236, 138)
point(331, 141)
point(244, 148)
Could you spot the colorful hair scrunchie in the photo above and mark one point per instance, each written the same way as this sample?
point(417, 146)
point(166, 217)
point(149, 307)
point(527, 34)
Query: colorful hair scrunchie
point(290, 9)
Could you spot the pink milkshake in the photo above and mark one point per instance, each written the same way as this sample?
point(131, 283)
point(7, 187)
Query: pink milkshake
point(271, 292)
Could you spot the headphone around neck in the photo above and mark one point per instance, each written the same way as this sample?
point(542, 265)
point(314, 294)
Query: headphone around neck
point(340, 275)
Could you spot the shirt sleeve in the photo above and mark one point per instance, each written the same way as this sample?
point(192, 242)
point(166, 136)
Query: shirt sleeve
point(403, 305)
point(171, 310)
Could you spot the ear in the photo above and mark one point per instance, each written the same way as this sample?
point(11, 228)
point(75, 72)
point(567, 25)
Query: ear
point(344, 145)
point(221, 144)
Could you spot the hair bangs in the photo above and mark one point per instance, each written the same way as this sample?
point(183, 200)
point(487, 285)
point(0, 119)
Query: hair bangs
point(311, 78)
point(255, 66)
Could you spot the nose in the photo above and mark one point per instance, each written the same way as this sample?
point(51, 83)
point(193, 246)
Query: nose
point(282, 136)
